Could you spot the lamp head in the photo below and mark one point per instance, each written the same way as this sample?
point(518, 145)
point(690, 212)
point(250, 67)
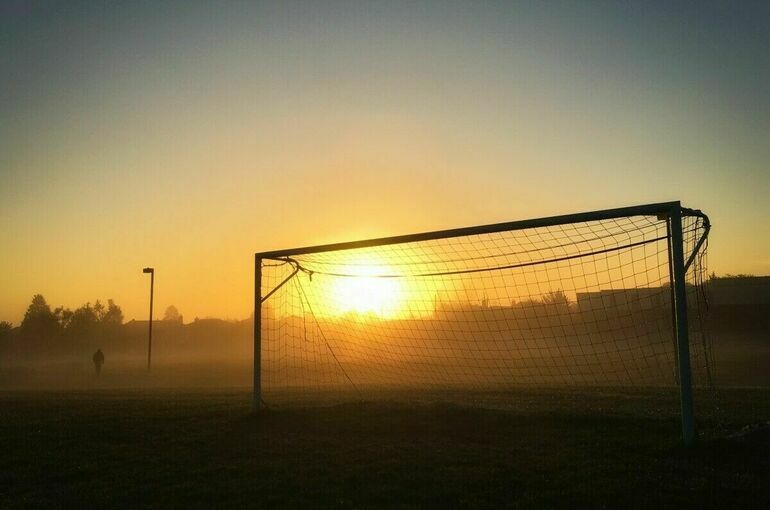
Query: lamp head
point(148, 270)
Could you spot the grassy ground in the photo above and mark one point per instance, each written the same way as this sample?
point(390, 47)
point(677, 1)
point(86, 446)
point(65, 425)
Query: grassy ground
point(205, 449)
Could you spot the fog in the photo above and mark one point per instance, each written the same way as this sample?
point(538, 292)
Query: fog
point(475, 348)
point(202, 353)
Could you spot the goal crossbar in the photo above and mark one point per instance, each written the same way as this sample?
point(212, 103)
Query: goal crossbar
point(605, 214)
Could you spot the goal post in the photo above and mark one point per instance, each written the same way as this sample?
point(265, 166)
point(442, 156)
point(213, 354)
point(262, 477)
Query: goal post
point(578, 300)
point(257, 372)
point(679, 297)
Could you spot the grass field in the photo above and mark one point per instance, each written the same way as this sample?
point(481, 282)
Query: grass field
point(541, 449)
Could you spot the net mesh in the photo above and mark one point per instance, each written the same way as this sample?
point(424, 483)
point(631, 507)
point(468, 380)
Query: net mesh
point(573, 305)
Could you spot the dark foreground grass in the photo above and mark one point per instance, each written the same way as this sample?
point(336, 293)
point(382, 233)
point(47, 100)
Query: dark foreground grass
point(206, 450)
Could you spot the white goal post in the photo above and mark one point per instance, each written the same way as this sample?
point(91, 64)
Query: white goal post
point(587, 299)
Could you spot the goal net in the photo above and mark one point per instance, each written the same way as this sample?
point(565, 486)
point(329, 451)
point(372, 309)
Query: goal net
point(575, 301)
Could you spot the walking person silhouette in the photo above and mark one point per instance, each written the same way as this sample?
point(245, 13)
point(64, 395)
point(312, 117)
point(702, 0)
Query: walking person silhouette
point(98, 361)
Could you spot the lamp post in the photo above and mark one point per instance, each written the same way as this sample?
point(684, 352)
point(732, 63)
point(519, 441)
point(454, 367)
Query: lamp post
point(151, 271)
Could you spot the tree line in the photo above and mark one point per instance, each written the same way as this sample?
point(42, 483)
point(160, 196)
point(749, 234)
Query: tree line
point(47, 331)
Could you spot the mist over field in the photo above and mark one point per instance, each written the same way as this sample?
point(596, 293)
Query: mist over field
point(561, 343)
point(203, 353)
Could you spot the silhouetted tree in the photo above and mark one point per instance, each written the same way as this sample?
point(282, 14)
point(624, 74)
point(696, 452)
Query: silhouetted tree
point(83, 324)
point(91, 323)
point(556, 297)
point(6, 332)
point(113, 316)
point(110, 323)
point(63, 316)
point(172, 314)
point(40, 325)
point(99, 310)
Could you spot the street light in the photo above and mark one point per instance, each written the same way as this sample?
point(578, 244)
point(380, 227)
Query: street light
point(149, 343)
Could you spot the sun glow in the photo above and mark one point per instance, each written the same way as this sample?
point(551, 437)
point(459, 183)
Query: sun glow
point(368, 292)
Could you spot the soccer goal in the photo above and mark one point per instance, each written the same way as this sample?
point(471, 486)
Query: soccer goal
point(589, 300)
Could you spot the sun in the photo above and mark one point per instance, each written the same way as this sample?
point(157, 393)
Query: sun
point(367, 292)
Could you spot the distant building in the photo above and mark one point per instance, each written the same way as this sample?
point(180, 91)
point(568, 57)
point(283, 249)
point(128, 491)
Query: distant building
point(157, 325)
point(724, 291)
point(739, 290)
point(624, 300)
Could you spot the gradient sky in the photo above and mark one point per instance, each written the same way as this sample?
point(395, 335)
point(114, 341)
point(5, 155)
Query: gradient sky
point(189, 135)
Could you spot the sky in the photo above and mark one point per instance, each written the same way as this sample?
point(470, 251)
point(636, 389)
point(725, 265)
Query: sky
point(188, 135)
